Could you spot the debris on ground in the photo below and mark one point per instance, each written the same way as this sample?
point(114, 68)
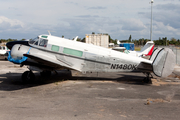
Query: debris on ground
point(158, 100)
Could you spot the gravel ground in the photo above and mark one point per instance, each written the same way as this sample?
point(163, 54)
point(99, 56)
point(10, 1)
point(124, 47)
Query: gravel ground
point(116, 96)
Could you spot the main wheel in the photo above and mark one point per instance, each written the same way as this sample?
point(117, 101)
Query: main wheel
point(28, 76)
point(45, 73)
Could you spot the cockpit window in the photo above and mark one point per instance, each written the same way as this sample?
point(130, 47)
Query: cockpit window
point(35, 40)
point(43, 42)
point(39, 41)
point(36, 43)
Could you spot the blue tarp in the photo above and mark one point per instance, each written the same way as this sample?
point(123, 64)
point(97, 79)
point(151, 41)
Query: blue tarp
point(17, 61)
point(128, 46)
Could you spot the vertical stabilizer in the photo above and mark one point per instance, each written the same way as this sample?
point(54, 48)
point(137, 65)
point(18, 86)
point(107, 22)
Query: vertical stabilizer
point(164, 61)
point(147, 49)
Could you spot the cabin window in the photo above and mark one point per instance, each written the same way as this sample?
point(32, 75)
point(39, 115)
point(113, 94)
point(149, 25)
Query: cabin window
point(2, 48)
point(73, 52)
point(43, 42)
point(55, 48)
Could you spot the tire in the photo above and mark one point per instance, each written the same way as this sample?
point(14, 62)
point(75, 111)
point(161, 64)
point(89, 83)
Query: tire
point(147, 80)
point(45, 74)
point(28, 77)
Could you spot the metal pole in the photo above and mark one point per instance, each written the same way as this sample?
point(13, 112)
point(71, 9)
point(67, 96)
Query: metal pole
point(176, 55)
point(151, 19)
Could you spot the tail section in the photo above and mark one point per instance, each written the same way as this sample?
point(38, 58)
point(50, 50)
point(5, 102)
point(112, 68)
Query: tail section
point(164, 61)
point(147, 49)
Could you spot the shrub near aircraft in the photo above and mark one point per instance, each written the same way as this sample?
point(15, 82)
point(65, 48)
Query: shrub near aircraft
point(48, 53)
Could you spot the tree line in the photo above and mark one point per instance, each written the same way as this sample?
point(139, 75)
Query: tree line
point(7, 40)
point(161, 41)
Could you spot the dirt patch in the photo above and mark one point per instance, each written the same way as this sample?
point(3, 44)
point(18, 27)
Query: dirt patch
point(158, 100)
point(159, 82)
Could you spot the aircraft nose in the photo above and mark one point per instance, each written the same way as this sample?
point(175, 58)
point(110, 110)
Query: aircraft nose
point(16, 54)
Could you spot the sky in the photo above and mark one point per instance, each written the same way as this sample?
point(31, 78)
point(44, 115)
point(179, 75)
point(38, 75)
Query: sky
point(26, 19)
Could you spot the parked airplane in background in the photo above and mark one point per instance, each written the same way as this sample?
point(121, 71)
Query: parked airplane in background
point(145, 51)
point(3, 50)
point(48, 53)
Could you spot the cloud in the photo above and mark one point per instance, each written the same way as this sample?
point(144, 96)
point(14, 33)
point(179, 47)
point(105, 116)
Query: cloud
point(70, 18)
point(73, 3)
point(10, 24)
point(168, 7)
point(88, 16)
point(168, 14)
point(160, 28)
point(98, 7)
point(133, 25)
point(166, 20)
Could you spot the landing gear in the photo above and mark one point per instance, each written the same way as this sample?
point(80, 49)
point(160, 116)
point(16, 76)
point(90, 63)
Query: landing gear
point(147, 79)
point(45, 73)
point(28, 76)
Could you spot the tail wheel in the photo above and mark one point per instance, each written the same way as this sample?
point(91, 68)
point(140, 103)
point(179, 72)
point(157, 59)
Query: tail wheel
point(147, 80)
point(28, 76)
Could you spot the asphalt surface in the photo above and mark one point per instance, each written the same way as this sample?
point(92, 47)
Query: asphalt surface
point(99, 96)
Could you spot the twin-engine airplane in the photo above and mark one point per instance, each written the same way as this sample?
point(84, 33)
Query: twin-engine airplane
point(48, 53)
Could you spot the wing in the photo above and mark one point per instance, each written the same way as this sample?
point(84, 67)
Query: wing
point(48, 62)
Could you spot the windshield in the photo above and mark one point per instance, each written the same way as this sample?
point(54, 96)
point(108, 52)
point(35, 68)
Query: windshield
point(34, 41)
point(39, 42)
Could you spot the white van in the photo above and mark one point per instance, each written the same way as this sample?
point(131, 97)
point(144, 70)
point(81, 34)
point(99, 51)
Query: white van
point(4, 51)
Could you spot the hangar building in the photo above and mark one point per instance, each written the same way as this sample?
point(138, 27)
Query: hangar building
point(98, 39)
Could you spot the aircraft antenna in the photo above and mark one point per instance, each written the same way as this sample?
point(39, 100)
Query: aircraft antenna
point(76, 38)
point(49, 32)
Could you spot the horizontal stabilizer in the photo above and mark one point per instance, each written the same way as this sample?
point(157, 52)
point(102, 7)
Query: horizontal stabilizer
point(145, 67)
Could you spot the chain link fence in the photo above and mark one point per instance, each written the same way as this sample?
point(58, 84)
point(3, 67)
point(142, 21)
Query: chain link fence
point(175, 49)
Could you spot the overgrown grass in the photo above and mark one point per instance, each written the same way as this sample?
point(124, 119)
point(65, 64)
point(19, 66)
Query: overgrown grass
point(137, 48)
